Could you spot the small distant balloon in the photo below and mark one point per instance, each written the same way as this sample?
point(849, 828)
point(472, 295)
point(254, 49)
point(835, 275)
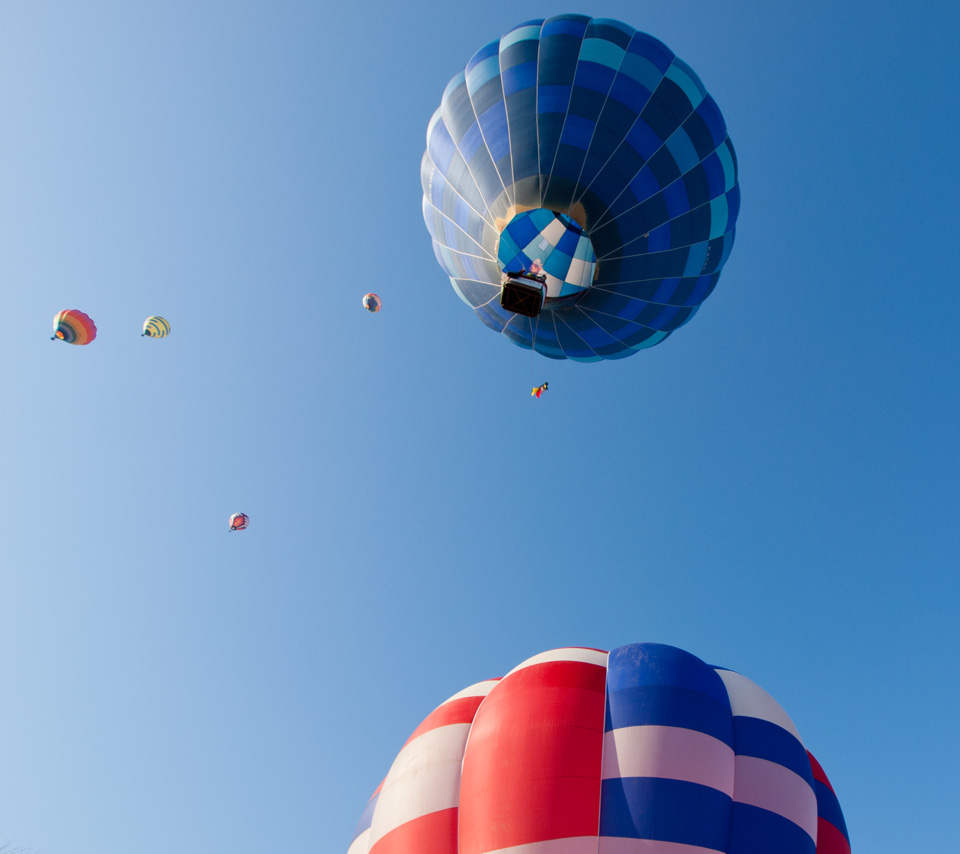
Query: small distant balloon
point(372, 303)
point(74, 327)
point(156, 327)
point(239, 522)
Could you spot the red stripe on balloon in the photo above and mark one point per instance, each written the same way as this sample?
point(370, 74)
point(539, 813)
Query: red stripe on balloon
point(435, 833)
point(830, 840)
point(459, 711)
point(818, 773)
point(531, 770)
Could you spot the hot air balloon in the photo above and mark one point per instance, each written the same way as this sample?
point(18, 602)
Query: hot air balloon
point(74, 327)
point(580, 188)
point(155, 327)
point(372, 303)
point(239, 522)
point(643, 750)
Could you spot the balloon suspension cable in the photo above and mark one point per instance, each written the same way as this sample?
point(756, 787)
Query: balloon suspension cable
point(533, 351)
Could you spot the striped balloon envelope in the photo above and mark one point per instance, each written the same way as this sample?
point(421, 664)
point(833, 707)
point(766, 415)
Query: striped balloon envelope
point(584, 151)
point(74, 327)
point(156, 327)
point(239, 522)
point(644, 750)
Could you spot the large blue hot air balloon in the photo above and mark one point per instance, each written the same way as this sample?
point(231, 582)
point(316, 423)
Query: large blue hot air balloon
point(585, 159)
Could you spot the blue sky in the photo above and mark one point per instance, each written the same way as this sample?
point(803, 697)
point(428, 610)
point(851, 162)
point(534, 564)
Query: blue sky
point(772, 489)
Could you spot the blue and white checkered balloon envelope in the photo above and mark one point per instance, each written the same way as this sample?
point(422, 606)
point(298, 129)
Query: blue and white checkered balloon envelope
point(579, 160)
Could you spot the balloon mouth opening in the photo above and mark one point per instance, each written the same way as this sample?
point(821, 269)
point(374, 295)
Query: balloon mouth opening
point(546, 244)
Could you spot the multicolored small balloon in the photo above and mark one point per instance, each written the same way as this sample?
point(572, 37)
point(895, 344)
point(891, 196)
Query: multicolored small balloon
point(155, 327)
point(74, 327)
point(372, 303)
point(239, 522)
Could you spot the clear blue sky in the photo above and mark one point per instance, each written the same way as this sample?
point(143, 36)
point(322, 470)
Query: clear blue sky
point(774, 488)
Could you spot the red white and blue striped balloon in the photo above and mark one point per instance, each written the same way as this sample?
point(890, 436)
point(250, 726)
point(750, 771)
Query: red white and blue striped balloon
point(645, 750)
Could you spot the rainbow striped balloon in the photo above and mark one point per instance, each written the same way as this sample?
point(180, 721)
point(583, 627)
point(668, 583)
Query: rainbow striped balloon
point(644, 750)
point(74, 327)
point(156, 327)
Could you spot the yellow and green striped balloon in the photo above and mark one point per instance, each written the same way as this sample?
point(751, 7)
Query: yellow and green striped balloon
point(156, 327)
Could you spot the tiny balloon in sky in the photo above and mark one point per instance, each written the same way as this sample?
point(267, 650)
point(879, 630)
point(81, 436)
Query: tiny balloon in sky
point(239, 522)
point(73, 327)
point(155, 327)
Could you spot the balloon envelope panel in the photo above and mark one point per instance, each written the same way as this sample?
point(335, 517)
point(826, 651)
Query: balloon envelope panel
point(546, 243)
point(590, 120)
point(645, 749)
